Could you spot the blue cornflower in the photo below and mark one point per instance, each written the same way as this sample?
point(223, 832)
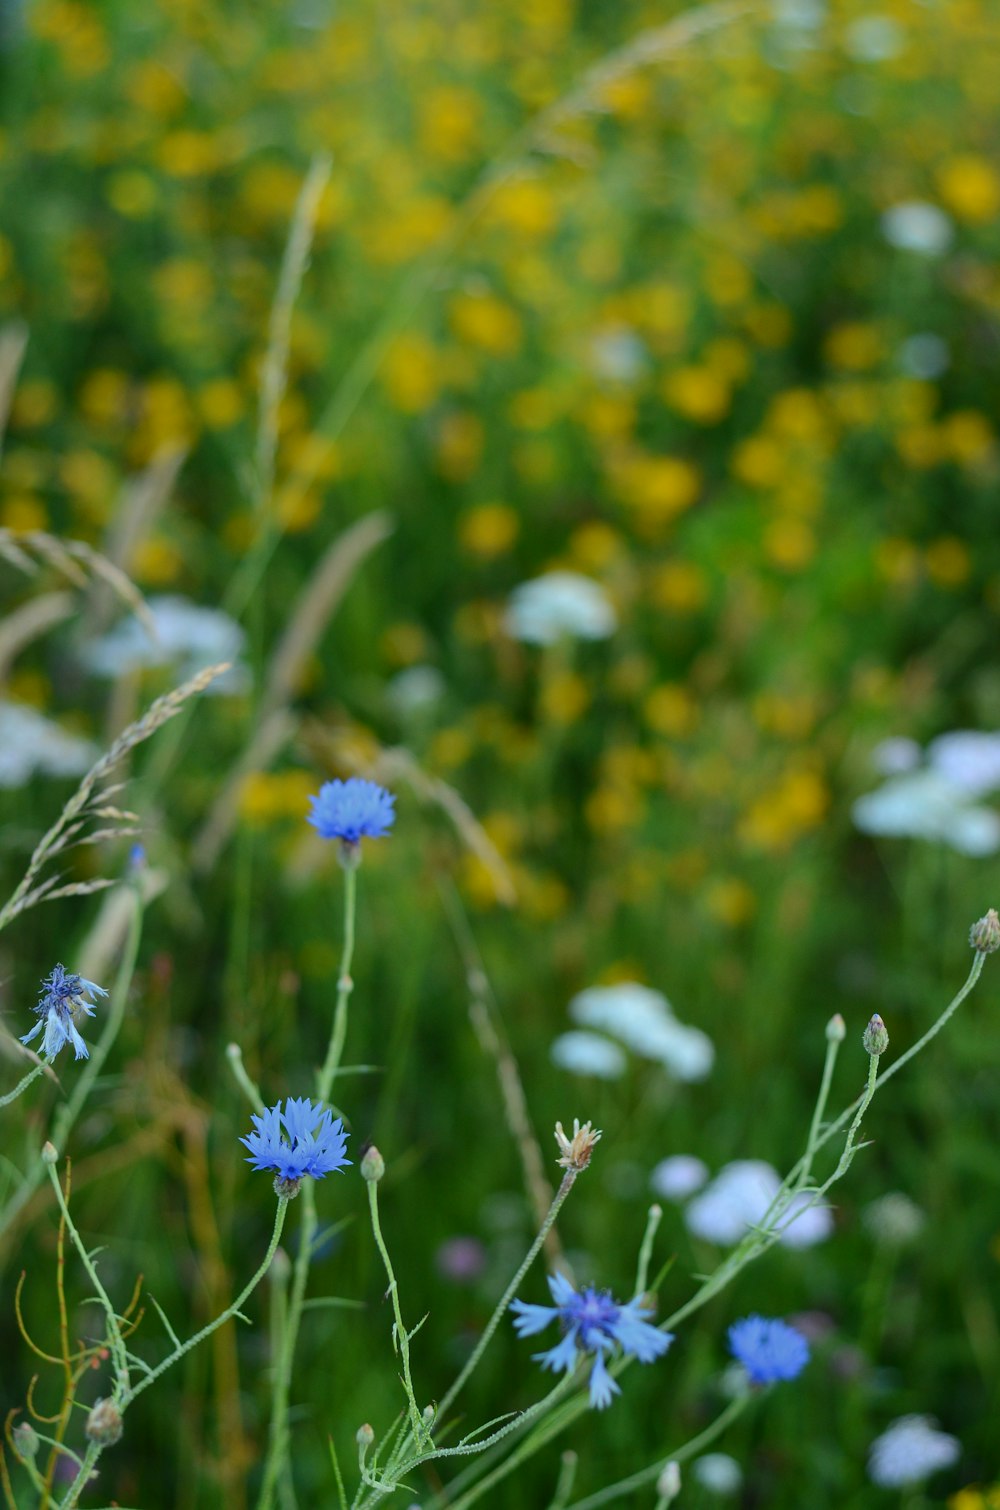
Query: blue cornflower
point(315, 1144)
point(594, 1324)
point(352, 810)
point(769, 1350)
point(62, 999)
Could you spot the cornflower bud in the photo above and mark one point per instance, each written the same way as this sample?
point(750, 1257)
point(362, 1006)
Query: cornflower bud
point(372, 1165)
point(26, 1443)
point(668, 1485)
point(875, 1037)
point(104, 1424)
point(50, 1154)
point(836, 1029)
point(575, 1152)
point(985, 935)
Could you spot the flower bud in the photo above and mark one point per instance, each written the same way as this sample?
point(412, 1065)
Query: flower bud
point(985, 935)
point(286, 1190)
point(372, 1165)
point(50, 1154)
point(365, 1436)
point(836, 1029)
point(575, 1152)
point(875, 1037)
point(26, 1443)
point(104, 1424)
point(668, 1485)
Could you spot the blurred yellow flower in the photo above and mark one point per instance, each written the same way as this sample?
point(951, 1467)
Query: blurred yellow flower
point(670, 709)
point(769, 324)
point(19, 511)
point(189, 154)
point(921, 446)
point(970, 187)
point(220, 403)
point(611, 809)
point(449, 749)
point(268, 796)
point(698, 393)
point(404, 643)
point(132, 193)
point(488, 530)
point(411, 373)
point(105, 396)
point(948, 561)
point(728, 358)
point(594, 545)
point(854, 346)
point(89, 477)
point(526, 207)
point(968, 436)
point(459, 445)
point(679, 587)
point(789, 543)
point(758, 461)
point(657, 487)
point(608, 416)
point(484, 321)
point(534, 408)
point(156, 562)
point(35, 402)
point(794, 806)
point(449, 123)
point(563, 698)
point(183, 282)
point(730, 901)
point(898, 561)
point(155, 88)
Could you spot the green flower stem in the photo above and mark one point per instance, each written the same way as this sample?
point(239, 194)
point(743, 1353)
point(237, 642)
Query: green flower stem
point(277, 1450)
point(249, 1087)
point(417, 1426)
point(855, 1127)
point(126, 1398)
point(565, 1481)
point(649, 1475)
point(812, 1143)
point(22, 1085)
point(653, 1220)
point(508, 1295)
point(115, 1340)
point(345, 986)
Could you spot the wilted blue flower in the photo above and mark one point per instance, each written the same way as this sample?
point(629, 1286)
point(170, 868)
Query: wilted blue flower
point(63, 997)
point(313, 1144)
point(594, 1324)
point(352, 810)
point(769, 1350)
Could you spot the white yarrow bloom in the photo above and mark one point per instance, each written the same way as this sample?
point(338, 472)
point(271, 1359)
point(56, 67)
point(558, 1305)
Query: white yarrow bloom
point(924, 355)
point(188, 637)
point(718, 1472)
point(909, 1451)
point(618, 355)
point(643, 1020)
point(916, 226)
point(559, 605)
point(415, 690)
point(896, 755)
point(585, 1053)
point(969, 759)
point(738, 1199)
point(678, 1177)
point(894, 1219)
point(925, 804)
point(31, 744)
point(874, 39)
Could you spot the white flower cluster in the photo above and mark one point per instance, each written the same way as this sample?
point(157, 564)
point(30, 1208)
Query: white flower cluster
point(933, 795)
point(32, 745)
point(638, 1018)
point(559, 605)
point(909, 1451)
point(188, 638)
point(736, 1200)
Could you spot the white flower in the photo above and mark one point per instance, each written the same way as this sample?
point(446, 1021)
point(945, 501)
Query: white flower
point(642, 1019)
point(618, 355)
point(873, 39)
point(924, 355)
point(188, 637)
point(558, 604)
point(738, 1199)
point(31, 744)
point(893, 1218)
point(909, 1451)
point(415, 690)
point(588, 1054)
point(927, 805)
point(678, 1177)
point(718, 1472)
point(970, 760)
point(916, 226)
point(805, 14)
point(893, 757)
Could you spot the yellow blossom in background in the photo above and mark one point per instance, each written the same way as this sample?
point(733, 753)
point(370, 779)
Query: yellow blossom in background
point(948, 561)
point(970, 186)
point(789, 543)
point(22, 512)
point(450, 123)
point(758, 461)
point(608, 416)
point(595, 545)
point(679, 587)
point(132, 193)
point(525, 207)
point(658, 488)
point(156, 562)
point(35, 403)
point(769, 324)
point(698, 393)
point(459, 445)
point(90, 479)
point(898, 561)
point(220, 403)
point(853, 346)
point(611, 809)
point(921, 446)
point(563, 698)
point(411, 373)
point(485, 321)
point(488, 530)
point(105, 397)
point(449, 749)
point(189, 154)
point(730, 901)
point(794, 806)
point(267, 797)
point(671, 710)
point(968, 436)
point(728, 358)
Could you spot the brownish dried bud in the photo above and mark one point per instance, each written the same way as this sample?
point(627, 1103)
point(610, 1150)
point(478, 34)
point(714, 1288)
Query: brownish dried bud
point(985, 935)
point(575, 1152)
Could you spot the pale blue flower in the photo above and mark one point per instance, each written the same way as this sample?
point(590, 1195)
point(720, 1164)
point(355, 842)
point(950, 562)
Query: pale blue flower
point(768, 1349)
point(594, 1324)
point(352, 810)
point(63, 998)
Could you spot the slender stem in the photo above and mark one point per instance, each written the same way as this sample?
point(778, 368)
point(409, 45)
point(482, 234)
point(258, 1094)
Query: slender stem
point(22, 1085)
point(855, 1127)
point(345, 985)
point(690, 1449)
point(565, 1481)
point(248, 1086)
point(819, 1110)
point(646, 1248)
point(277, 1450)
point(417, 1426)
point(115, 1340)
point(508, 1294)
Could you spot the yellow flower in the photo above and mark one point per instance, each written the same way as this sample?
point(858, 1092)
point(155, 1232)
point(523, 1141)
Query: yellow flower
point(948, 561)
point(184, 282)
point(90, 478)
point(484, 321)
point(20, 511)
point(189, 154)
point(449, 749)
point(156, 562)
point(611, 809)
point(220, 403)
point(898, 561)
point(35, 403)
point(758, 461)
point(799, 414)
point(563, 698)
point(769, 324)
point(697, 393)
point(154, 88)
point(132, 193)
point(105, 396)
point(594, 545)
point(730, 901)
point(968, 435)
point(970, 187)
point(411, 374)
point(488, 530)
point(459, 445)
point(854, 346)
point(449, 125)
point(608, 416)
point(658, 487)
point(921, 446)
point(728, 358)
point(789, 543)
point(526, 207)
point(679, 587)
point(670, 709)
point(796, 804)
point(534, 408)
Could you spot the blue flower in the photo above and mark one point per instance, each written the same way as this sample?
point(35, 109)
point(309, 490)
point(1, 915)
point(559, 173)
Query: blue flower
point(768, 1350)
point(352, 810)
point(594, 1324)
point(314, 1143)
point(62, 999)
